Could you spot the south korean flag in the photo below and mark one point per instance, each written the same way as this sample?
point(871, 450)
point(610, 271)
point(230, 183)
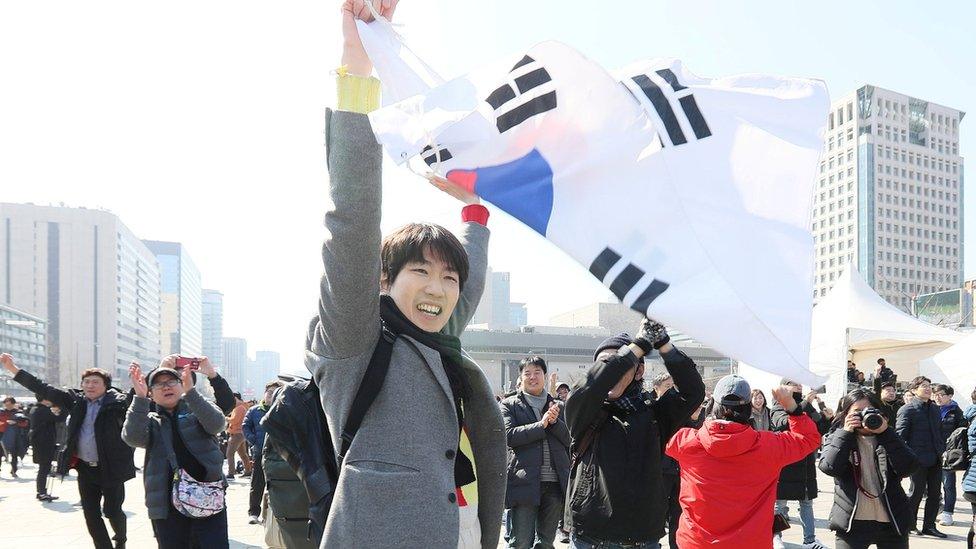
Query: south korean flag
point(688, 197)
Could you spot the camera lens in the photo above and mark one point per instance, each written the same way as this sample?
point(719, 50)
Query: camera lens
point(872, 420)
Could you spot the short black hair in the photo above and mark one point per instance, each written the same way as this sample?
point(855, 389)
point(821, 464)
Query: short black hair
point(11, 400)
point(848, 400)
point(942, 387)
point(891, 384)
point(880, 360)
point(408, 244)
point(534, 361)
point(741, 413)
point(915, 383)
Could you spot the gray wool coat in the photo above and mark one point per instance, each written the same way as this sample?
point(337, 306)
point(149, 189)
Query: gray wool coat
point(200, 421)
point(396, 485)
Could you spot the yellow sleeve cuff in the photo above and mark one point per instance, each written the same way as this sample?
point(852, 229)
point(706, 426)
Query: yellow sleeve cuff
point(359, 94)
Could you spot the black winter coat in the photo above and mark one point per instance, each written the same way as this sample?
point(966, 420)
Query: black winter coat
point(114, 456)
point(920, 426)
point(894, 460)
point(798, 480)
point(952, 420)
point(616, 494)
point(295, 427)
point(43, 433)
point(526, 435)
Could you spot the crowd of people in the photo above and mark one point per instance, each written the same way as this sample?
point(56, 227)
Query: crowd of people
point(396, 439)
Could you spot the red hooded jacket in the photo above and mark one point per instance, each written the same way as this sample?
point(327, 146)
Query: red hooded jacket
point(729, 473)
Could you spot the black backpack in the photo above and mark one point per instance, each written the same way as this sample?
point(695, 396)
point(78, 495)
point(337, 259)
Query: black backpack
point(956, 456)
point(296, 420)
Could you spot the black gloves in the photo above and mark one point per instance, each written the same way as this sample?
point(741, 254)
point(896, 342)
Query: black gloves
point(651, 335)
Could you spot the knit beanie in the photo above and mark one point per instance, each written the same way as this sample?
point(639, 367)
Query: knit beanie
point(614, 342)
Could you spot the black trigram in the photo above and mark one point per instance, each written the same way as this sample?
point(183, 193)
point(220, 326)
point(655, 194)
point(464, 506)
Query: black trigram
point(509, 112)
point(662, 106)
point(626, 280)
point(431, 156)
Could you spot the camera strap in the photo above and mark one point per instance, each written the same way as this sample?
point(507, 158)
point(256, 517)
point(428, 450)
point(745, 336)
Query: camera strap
point(856, 462)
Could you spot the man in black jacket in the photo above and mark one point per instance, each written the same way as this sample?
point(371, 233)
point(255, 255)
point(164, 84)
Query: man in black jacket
point(798, 480)
point(538, 458)
point(95, 448)
point(43, 432)
point(890, 403)
point(952, 419)
point(615, 490)
point(883, 374)
point(920, 426)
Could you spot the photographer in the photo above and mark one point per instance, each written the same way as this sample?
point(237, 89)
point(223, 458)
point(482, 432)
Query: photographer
point(867, 461)
point(728, 469)
point(181, 447)
point(616, 494)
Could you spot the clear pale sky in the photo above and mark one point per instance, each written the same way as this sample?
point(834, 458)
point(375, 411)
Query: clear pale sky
point(201, 122)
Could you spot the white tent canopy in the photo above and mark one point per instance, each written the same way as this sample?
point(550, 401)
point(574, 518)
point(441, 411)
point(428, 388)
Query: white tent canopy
point(955, 367)
point(853, 322)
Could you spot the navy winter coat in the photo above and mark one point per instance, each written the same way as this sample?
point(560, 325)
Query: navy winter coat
point(920, 426)
point(969, 480)
point(526, 435)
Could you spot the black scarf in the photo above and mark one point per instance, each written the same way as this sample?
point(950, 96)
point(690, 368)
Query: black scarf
point(449, 348)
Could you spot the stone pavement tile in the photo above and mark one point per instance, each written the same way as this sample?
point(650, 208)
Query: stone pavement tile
point(821, 509)
point(26, 522)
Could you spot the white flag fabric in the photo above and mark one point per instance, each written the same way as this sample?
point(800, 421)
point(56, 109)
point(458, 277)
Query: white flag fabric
point(688, 197)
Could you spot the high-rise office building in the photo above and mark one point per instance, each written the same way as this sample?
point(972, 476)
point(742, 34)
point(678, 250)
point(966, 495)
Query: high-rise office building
point(180, 321)
point(212, 326)
point(24, 336)
point(235, 363)
point(496, 308)
point(889, 195)
point(90, 278)
point(267, 365)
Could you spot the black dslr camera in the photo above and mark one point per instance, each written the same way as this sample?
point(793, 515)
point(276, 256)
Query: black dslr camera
point(871, 418)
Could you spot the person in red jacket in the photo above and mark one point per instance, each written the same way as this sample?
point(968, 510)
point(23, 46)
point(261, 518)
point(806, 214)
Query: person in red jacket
point(729, 471)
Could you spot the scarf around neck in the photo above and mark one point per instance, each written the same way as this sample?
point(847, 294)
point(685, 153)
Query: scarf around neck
point(449, 347)
point(634, 399)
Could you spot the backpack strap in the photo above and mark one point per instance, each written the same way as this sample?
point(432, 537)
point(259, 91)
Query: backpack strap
point(369, 389)
point(580, 448)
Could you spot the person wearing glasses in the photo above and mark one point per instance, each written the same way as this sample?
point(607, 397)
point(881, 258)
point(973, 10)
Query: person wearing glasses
point(94, 448)
point(952, 418)
point(179, 435)
point(919, 424)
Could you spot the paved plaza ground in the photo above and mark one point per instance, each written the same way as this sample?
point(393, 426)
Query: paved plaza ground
point(26, 522)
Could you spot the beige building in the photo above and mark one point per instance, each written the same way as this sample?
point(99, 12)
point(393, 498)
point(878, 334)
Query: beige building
point(94, 282)
point(889, 195)
point(613, 317)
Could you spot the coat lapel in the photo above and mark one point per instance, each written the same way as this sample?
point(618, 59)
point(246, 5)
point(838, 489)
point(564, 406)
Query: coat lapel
point(433, 361)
